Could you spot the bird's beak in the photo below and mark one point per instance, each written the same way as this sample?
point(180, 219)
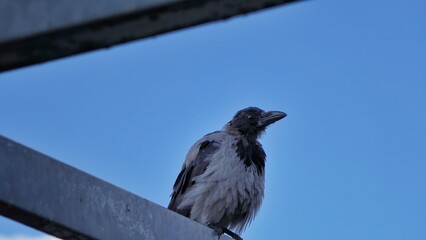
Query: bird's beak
point(270, 117)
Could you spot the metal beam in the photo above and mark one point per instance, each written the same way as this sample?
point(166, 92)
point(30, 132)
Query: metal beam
point(38, 31)
point(63, 201)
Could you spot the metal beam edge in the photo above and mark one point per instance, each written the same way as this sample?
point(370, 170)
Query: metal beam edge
point(58, 199)
point(128, 26)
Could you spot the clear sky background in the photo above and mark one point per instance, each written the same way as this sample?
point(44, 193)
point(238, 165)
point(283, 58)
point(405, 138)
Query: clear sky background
point(348, 162)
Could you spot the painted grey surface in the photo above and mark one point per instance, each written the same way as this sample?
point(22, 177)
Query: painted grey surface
point(61, 200)
point(24, 18)
point(42, 30)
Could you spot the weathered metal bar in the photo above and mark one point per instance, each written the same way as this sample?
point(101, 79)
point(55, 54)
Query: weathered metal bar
point(63, 201)
point(38, 31)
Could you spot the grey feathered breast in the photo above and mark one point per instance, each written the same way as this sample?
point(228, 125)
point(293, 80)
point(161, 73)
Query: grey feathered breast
point(221, 182)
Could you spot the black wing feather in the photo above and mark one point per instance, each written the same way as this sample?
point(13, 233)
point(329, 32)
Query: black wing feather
point(185, 178)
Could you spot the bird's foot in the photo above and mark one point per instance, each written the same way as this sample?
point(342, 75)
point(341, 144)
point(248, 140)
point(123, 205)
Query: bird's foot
point(219, 231)
point(232, 234)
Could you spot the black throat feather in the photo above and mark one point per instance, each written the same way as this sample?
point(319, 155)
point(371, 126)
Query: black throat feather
point(251, 153)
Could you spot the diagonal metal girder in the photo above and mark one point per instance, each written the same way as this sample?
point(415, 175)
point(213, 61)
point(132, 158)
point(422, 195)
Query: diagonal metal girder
point(63, 201)
point(38, 31)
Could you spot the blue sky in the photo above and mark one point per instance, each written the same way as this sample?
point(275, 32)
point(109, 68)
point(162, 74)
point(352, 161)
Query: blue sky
point(349, 161)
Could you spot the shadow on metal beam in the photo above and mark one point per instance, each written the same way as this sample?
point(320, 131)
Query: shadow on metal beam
point(29, 35)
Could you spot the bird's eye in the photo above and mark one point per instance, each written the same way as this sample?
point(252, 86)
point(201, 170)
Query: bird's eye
point(249, 116)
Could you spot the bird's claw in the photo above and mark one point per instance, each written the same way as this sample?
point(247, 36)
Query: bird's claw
point(219, 231)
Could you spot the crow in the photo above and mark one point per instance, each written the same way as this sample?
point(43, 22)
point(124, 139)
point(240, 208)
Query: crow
point(221, 183)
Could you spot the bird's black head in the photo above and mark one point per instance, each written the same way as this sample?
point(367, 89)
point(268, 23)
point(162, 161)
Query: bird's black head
point(252, 121)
